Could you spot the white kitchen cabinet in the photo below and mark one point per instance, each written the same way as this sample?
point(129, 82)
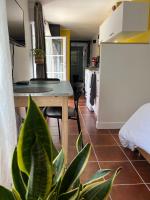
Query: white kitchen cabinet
point(128, 19)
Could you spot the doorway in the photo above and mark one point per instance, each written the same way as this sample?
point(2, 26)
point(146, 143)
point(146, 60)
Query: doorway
point(76, 64)
point(79, 61)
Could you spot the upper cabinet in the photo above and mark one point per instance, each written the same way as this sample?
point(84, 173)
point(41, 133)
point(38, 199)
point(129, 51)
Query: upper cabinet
point(129, 19)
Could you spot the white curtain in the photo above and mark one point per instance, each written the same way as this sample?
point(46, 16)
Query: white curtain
point(8, 134)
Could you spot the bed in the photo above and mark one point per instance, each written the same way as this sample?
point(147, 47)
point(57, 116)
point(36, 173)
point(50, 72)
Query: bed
point(135, 134)
point(144, 154)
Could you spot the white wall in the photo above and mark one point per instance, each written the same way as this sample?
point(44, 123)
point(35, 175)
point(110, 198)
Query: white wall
point(23, 69)
point(124, 82)
point(31, 11)
point(7, 114)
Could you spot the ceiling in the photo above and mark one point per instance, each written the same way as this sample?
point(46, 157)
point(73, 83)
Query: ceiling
point(82, 17)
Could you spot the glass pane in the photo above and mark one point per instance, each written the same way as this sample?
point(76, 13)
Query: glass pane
point(55, 75)
point(54, 46)
point(55, 57)
point(54, 64)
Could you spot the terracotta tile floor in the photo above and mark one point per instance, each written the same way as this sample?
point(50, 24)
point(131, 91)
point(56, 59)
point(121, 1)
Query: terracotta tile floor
point(133, 182)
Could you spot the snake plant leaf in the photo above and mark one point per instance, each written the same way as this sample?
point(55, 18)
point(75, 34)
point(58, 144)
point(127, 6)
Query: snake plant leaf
point(17, 177)
point(40, 180)
point(59, 167)
point(53, 195)
point(71, 195)
point(79, 190)
point(75, 169)
point(97, 176)
point(25, 178)
point(54, 151)
point(79, 143)
point(97, 191)
point(76, 184)
point(5, 194)
point(79, 147)
point(16, 194)
point(33, 126)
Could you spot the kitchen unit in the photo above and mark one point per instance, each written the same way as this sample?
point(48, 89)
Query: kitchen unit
point(129, 19)
point(123, 78)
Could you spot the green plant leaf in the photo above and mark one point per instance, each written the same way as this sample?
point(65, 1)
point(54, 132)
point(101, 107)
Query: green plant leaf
point(17, 177)
point(79, 143)
point(5, 194)
point(75, 169)
point(76, 184)
point(25, 178)
point(54, 151)
point(16, 194)
point(59, 167)
point(40, 180)
point(38, 52)
point(33, 126)
point(99, 190)
point(71, 195)
point(97, 176)
point(79, 147)
point(53, 195)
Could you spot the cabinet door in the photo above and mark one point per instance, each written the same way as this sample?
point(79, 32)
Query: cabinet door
point(136, 17)
point(129, 19)
point(112, 25)
point(56, 57)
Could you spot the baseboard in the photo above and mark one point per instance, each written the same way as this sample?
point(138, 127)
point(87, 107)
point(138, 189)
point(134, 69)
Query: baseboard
point(109, 125)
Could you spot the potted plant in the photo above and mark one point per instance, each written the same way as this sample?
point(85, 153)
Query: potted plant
point(39, 56)
point(39, 172)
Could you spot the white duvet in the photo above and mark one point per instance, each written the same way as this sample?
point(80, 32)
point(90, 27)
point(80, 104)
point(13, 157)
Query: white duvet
point(136, 131)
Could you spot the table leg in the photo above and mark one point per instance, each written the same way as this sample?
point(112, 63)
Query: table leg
point(65, 128)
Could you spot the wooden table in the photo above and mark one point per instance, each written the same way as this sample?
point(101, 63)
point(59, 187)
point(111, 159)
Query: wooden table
point(56, 94)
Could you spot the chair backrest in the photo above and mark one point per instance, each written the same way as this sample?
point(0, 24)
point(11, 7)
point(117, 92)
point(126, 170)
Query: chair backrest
point(42, 80)
point(78, 92)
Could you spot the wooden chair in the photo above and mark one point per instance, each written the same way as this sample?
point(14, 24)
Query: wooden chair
point(73, 112)
point(42, 80)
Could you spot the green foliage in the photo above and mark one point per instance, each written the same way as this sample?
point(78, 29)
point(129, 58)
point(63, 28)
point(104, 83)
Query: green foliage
point(17, 177)
point(39, 172)
point(38, 52)
point(6, 194)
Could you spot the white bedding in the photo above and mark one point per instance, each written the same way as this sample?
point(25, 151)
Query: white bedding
point(136, 131)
